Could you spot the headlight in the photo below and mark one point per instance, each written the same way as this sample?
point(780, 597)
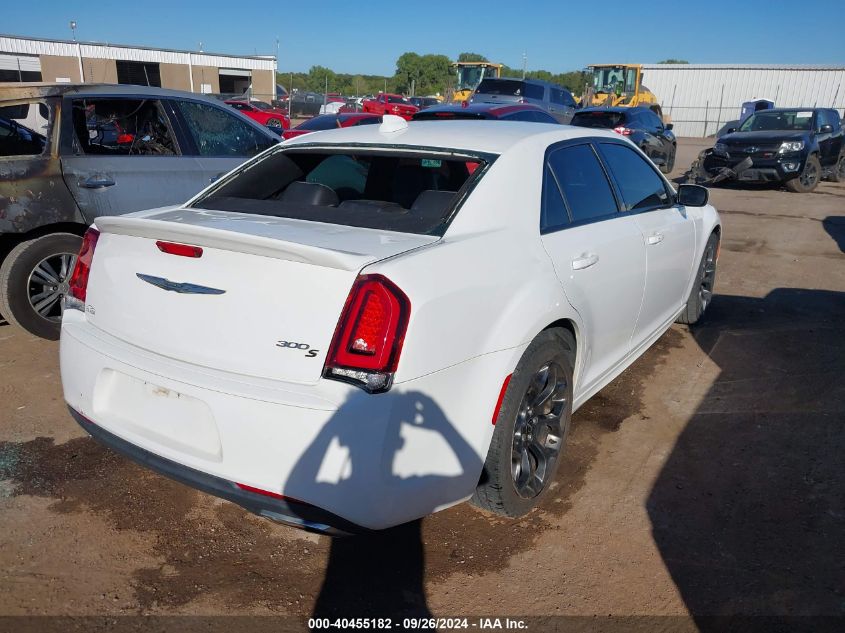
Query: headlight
point(720, 148)
point(791, 146)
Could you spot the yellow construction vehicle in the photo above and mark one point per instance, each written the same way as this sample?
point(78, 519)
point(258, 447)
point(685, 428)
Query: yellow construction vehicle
point(470, 74)
point(619, 85)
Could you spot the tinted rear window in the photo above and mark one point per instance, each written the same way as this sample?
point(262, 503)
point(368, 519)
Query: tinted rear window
point(406, 192)
point(325, 122)
point(508, 87)
point(607, 120)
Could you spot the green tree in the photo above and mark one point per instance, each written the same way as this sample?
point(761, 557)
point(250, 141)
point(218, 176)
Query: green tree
point(472, 57)
point(673, 61)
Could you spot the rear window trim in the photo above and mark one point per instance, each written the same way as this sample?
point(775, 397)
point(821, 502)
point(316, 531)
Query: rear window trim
point(486, 158)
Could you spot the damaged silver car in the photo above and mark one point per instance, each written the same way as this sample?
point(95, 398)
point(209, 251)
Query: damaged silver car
point(70, 153)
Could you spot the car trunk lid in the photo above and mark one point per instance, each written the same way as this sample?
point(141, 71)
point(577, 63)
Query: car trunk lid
point(263, 299)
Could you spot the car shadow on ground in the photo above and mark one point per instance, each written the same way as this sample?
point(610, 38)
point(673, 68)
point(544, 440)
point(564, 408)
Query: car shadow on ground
point(748, 511)
point(382, 573)
point(835, 227)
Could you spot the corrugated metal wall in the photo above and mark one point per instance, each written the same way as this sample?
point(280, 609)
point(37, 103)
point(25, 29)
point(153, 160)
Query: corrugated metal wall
point(700, 98)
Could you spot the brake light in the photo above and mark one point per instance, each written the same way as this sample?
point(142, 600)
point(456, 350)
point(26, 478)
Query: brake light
point(622, 130)
point(182, 250)
point(78, 284)
point(368, 339)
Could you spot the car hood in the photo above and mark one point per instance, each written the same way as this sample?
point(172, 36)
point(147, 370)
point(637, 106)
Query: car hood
point(763, 136)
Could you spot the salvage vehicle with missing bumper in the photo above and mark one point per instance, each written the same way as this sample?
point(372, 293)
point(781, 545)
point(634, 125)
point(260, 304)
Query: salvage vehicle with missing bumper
point(366, 325)
point(70, 153)
point(794, 146)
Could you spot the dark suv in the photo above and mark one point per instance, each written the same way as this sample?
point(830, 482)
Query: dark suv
point(795, 146)
point(70, 153)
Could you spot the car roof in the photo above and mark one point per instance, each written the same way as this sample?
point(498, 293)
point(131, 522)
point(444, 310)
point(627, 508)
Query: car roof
point(490, 137)
point(482, 107)
point(613, 109)
point(37, 90)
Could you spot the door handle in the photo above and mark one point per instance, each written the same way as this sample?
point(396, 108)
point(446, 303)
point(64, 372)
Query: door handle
point(654, 238)
point(97, 182)
point(584, 261)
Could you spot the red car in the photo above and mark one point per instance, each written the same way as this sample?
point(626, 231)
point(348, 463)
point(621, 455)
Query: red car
point(262, 113)
point(391, 104)
point(331, 121)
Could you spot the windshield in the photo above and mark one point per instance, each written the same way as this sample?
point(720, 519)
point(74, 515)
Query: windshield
point(411, 191)
point(260, 105)
point(470, 76)
point(24, 129)
point(607, 120)
point(615, 79)
point(398, 100)
point(778, 120)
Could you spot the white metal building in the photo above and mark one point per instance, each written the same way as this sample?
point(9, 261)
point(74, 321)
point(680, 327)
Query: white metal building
point(31, 59)
point(700, 98)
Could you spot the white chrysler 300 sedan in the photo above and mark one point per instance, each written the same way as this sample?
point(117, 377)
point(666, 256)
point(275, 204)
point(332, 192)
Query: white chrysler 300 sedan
point(363, 326)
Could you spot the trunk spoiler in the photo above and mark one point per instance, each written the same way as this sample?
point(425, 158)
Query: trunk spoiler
point(256, 238)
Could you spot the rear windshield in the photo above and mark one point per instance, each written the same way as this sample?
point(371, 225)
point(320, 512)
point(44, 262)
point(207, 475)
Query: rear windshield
point(598, 119)
point(506, 87)
point(408, 192)
point(323, 122)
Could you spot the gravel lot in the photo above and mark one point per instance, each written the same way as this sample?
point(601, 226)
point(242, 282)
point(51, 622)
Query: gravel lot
point(706, 480)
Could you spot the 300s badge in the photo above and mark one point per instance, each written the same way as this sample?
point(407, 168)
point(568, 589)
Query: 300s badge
point(310, 353)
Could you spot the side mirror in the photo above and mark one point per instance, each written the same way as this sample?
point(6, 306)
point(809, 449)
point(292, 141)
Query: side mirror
point(669, 126)
point(693, 195)
point(826, 129)
point(730, 130)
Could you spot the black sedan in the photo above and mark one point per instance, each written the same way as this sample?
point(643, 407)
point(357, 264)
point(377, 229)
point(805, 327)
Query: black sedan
point(480, 111)
point(641, 125)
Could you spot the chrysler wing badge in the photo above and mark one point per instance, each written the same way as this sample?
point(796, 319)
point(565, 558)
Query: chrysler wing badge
point(181, 288)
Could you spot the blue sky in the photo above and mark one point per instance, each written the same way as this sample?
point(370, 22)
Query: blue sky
point(368, 36)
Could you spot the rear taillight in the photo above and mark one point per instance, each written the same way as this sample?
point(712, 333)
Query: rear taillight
point(368, 338)
point(78, 284)
point(622, 130)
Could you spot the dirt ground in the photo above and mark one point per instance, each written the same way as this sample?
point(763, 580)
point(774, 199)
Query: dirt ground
point(707, 480)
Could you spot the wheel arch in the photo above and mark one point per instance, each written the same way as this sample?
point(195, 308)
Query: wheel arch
point(9, 240)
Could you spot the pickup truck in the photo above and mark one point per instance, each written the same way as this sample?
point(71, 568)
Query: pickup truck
point(795, 146)
point(390, 104)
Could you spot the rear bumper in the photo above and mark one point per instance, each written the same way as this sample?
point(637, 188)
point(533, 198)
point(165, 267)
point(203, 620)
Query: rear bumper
point(350, 460)
point(286, 511)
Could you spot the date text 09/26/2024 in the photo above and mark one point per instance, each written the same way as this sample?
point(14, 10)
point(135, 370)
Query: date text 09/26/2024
point(418, 623)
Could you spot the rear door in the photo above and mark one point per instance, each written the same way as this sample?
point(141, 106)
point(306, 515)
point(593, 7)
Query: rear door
point(218, 138)
point(121, 154)
point(668, 235)
point(830, 142)
point(597, 251)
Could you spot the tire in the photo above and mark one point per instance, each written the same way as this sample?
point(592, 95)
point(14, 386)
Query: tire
point(507, 488)
point(21, 285)
point(670, 162)
point(702, 289)
point(809, 177)
point(838, 173)
point(274, 122)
